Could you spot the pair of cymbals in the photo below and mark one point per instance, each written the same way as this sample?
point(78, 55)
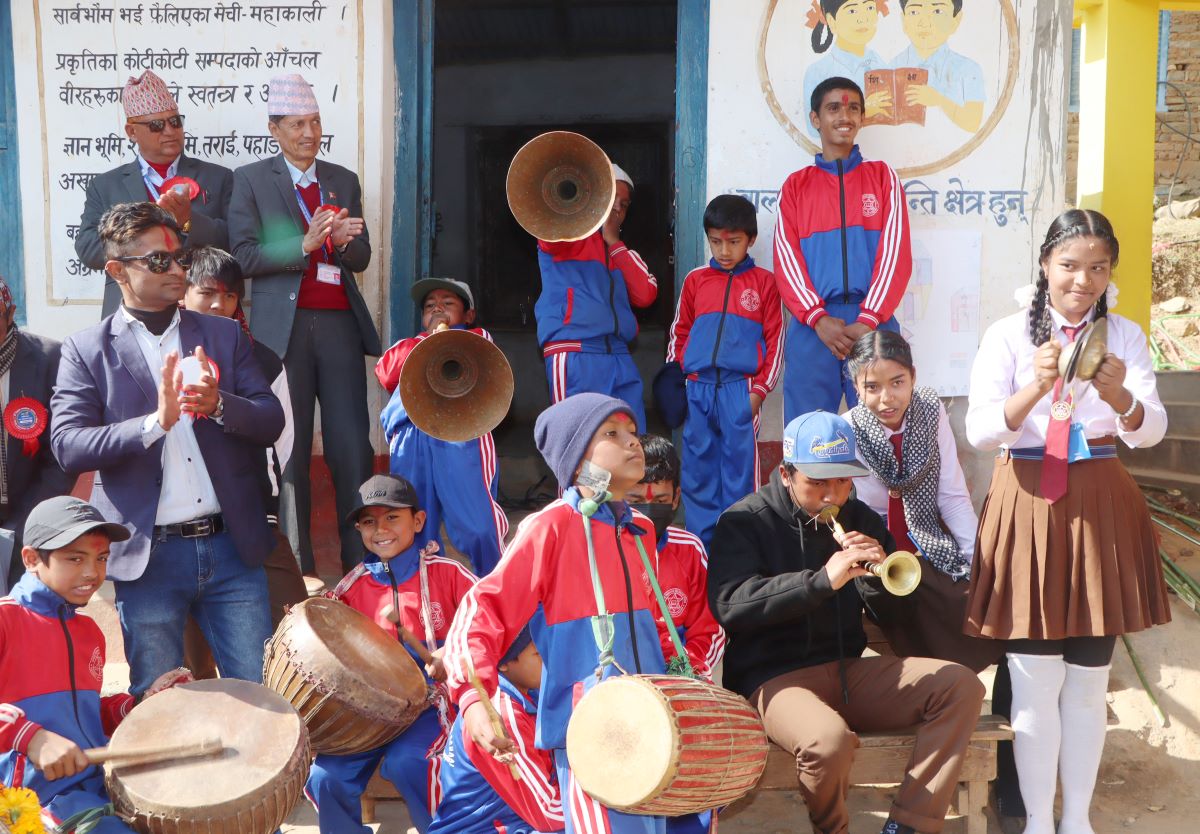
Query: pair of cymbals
point(1083, 357)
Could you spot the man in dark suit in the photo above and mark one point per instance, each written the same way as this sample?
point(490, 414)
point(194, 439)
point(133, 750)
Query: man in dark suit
point(174, 444)
point(153, 123)
point(296, 227)
point(28, 472)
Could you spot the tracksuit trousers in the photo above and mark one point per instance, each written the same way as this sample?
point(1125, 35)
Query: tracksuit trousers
point(719, 452)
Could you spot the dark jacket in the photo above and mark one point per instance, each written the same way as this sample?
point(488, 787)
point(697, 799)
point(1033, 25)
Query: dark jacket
point(104, 392)
point(31, 480)
point(266, 231)
point(767, 588)
point(124, 184)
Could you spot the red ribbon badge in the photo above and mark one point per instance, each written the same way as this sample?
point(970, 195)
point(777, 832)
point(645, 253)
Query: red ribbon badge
point(25, 419)
point(181, 183)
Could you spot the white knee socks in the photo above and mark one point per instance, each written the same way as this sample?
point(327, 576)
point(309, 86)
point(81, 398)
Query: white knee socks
point(1037, 681)
point(1084, 721)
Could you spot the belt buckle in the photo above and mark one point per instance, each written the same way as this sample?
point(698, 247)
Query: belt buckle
point(196, 529)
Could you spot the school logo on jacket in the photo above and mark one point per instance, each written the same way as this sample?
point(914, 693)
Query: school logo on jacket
point(96, 665)
point(676, 601)
point(750, 300)
point(870, 205)
point(439, 616)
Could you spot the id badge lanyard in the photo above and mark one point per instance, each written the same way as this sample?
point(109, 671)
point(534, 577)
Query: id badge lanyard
point(328, 247)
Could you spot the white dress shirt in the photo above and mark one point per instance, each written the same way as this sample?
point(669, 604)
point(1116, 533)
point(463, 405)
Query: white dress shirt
point(187, 491)
point(151, 177)
point(953, 498)
point(302, 179)
point(1004, 365)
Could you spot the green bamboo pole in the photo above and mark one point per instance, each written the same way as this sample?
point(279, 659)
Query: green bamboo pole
point(1159, 715)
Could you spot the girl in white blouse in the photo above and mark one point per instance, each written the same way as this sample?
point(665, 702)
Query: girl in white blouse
point(1065, 559)
point(917, 485)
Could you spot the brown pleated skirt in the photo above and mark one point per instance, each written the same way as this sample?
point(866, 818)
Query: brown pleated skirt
point(1086, 566)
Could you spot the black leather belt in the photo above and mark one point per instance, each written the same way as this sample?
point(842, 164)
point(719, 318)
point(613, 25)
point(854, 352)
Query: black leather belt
point(193, 529)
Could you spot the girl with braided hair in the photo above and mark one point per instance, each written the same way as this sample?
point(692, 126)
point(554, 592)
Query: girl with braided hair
point(917, 485)
point(1065, 558)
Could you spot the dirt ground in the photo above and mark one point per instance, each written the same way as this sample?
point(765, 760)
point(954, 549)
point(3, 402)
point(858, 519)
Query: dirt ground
point(1176, 294)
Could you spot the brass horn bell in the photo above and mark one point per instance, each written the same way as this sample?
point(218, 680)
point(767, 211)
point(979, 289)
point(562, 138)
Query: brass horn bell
point(900, 572)
point(456, 385)
point(560, 186)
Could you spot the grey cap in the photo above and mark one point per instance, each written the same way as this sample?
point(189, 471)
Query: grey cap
point(58, 521)
point(384, 491)
point(427, 285)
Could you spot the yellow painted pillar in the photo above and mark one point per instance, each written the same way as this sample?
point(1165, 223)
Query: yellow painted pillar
point(1117, 75)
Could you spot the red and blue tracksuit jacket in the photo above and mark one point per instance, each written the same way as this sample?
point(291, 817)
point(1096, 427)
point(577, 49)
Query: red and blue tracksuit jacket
point(375, 584)
point(457, 482)
point(681, 565)
point(479, 795)
point(544, 581)
point(51, 673)
point(842, 236)
point(729, 324)
point(410, 761)
point(587, 293)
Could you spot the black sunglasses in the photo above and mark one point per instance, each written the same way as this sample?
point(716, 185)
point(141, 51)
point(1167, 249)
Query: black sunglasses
point(160, 262)
point(158, 125)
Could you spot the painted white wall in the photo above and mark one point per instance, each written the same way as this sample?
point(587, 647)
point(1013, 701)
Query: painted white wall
point(759, 52)
point(359, 45)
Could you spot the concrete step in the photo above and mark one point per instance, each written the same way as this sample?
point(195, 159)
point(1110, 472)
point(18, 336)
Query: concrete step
point(1183, 420)
point(1173, 455)
point(1179, 386)
point(1186, 483)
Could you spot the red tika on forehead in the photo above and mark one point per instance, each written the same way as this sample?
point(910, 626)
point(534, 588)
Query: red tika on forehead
point(845, 99)
point(166, 233)
point(621, 417)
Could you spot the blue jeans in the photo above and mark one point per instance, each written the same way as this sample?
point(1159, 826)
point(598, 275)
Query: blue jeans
point(205, 577)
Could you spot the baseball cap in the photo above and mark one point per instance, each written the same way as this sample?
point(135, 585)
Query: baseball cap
point(384, 491)
point(58, 521)
point(427, 285)
point(821, 445)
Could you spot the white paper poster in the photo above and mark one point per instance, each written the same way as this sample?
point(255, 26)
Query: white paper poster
point(216, 57)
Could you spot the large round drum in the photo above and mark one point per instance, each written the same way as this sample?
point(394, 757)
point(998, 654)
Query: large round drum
point(665, 745)
point(355, 687)
point(250, 788)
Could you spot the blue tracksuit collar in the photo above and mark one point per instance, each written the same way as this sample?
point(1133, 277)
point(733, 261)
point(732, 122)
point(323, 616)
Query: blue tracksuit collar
point(34, 594)
point(747, 263)
point(528, 704)
point(401, 567)
point(622, 518)
point(848, 164)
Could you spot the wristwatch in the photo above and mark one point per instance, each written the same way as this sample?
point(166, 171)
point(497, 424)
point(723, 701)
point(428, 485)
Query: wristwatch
point(219, 411)
point(187, 226)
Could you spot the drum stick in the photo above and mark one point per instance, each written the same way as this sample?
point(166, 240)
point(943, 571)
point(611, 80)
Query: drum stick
point(152, 754)
point(493, 716)
point(408, 637)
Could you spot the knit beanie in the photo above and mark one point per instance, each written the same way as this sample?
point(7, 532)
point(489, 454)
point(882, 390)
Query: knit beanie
point(564, 430)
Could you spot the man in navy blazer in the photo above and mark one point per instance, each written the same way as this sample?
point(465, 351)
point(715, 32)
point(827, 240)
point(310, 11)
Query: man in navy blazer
point(171, 446)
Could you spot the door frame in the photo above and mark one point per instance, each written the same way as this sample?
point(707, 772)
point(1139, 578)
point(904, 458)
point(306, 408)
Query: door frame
point(12, 254)
point(412, 216)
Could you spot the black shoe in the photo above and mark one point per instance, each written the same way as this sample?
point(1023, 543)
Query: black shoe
point(893, 827)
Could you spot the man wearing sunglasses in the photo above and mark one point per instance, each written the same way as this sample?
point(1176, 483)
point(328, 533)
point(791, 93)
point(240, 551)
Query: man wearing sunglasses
point(170, 409)
point(156, 128)
point(296, 227)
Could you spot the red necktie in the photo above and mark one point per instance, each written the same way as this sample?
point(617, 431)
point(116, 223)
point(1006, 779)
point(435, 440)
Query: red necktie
point(1058, 439)
point(897, 525)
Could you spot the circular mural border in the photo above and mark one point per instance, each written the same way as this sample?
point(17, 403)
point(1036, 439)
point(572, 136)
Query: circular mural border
point(1009, 16)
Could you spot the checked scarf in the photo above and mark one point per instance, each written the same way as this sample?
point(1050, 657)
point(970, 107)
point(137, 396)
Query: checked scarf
point(916, 479)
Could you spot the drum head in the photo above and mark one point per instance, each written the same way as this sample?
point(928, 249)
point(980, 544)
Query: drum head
point(622, 742)
point(344, 649)
point(264, 740)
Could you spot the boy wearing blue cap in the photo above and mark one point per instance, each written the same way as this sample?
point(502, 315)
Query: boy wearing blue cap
point(790, 595)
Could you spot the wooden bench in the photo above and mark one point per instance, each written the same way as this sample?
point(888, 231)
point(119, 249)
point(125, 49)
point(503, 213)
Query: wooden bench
point(880, 760)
